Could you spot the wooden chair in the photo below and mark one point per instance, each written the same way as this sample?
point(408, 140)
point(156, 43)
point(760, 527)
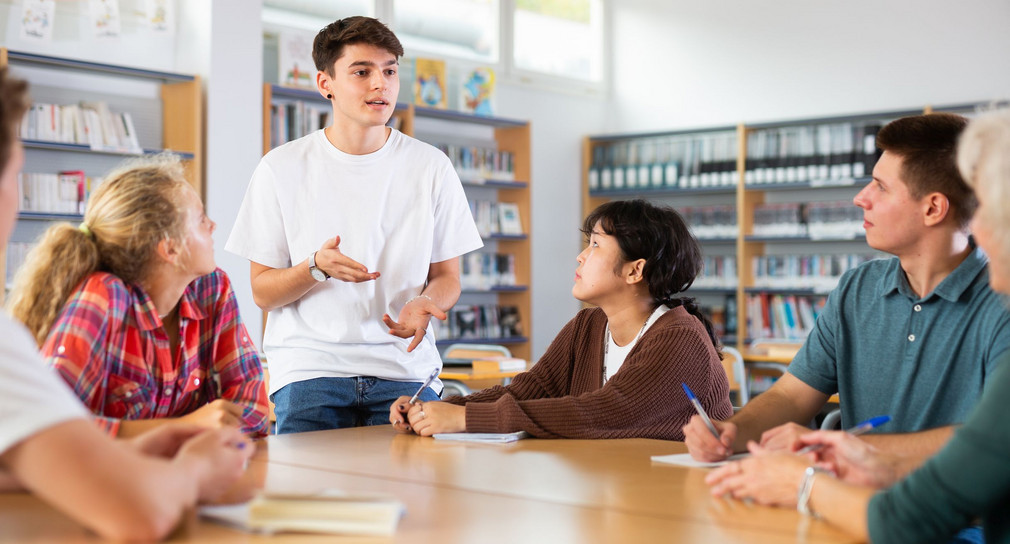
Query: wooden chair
point(732, 363)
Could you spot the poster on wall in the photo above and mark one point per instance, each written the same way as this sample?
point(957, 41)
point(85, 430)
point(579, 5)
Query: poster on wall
point(160, 15)
point(294, 60)
point(37, 20)
point(105, 19)
point(429, 83)
point(477, 92)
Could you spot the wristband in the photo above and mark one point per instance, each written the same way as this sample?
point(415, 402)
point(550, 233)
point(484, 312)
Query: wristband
point(806, 488)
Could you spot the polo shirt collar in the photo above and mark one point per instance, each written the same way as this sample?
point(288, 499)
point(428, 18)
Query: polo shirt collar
point(147, 314)
point(951, 288)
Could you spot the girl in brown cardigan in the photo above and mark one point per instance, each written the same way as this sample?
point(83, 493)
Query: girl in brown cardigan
point(614, 371)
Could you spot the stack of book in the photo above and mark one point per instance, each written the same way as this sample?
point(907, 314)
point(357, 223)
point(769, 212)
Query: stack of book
point(87, 123)
point(65, 192)
point(821, 153)
point(817, 272)
point(480, 321)
point(665, 162)
point(474, 163)
point(711, 222)
point(719, 272)
point(494, 217)
point(292, 120)
point(481, 271)
point(782, 316)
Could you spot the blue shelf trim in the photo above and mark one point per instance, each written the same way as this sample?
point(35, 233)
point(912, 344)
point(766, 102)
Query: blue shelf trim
point(670, 191)
point(494, 184)
point(498, 289)
point(46, 216)
point(451, 115)
point(505, 237)
point(773, 239)
point(503, 340)
point(633, 136)
point(59, 62)
point(82, 148)
point(773, 291)
point(825, 184)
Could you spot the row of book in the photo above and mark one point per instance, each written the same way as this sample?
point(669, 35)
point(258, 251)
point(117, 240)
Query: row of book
point(292, 120)
point(17, 253)
point(494, 217)
point(723, 316)
point(782, 316)
point(711, 222)
point(719, 272)
point(480, 163)
point(668, 162)
point(65, 192)
point(811, 153)
point(480, 321)
point(817, 272)
point(818, 220)
point(86, 123)
point(479, 271)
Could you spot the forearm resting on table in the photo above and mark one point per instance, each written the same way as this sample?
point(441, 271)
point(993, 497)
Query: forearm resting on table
point(789, 400)
point(913, 448)
point(275, 287)
point(841, 504)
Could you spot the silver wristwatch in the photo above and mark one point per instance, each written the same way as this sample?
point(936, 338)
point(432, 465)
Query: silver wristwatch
point(318, 274)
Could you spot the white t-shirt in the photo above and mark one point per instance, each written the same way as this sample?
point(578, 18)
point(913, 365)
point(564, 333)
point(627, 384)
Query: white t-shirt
point(616, 355)
point(32, 397)
point(396, 211)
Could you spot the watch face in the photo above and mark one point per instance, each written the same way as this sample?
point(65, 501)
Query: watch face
point(317, 274)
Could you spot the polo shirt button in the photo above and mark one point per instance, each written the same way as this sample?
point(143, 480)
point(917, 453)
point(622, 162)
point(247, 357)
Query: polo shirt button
point(196, 381)
point(911, 338)
point(61, 350)
point(168, 390)
point(918, 308)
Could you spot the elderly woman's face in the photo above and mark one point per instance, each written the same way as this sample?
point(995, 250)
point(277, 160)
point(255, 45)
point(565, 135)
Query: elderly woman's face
point(983, 227)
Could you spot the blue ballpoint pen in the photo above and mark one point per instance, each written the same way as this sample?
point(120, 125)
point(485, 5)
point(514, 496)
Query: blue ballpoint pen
point(859, 429)
point(701, 411)
point(431, 378)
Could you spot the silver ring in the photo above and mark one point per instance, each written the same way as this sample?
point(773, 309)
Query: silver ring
point(422, 414)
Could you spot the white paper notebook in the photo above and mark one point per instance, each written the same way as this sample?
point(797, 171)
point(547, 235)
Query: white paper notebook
point(487, 438)
point(329, 511)
point(685, 460)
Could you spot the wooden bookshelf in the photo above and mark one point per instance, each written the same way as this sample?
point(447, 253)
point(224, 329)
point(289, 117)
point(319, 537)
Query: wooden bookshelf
point(508, 135)
point(747, 197)
point(171, 122)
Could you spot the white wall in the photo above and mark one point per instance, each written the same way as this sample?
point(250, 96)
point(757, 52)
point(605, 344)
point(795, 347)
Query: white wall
point(685, 63)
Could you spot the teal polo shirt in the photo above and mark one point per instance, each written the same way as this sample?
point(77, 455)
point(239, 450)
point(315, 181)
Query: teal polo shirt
point(885, 351)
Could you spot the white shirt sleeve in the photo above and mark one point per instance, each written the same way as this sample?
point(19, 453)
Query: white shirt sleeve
point(32, 396)
point(455, 231)
point(258, 233)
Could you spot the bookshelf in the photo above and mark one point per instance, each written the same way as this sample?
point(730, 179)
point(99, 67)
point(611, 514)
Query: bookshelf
point(166, 109)
point(793, 229)
point(492, 157)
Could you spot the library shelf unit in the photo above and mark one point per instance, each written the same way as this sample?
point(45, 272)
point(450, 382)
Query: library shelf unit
point(166, 107)
point(445, 127)
point(793, 162)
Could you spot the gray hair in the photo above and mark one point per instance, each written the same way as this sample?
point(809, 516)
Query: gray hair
point(983, 157)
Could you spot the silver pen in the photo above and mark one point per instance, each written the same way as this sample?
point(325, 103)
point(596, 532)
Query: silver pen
point(431, 378)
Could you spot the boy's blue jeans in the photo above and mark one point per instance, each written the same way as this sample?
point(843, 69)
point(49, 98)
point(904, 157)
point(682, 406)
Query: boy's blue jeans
point(333, 403)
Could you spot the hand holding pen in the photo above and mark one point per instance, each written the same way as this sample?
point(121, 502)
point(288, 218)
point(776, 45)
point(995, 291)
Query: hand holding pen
point(700, 431)
point(857, 430)
point(398, 410)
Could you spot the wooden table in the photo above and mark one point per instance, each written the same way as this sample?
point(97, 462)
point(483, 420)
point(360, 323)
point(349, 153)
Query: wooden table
point(554, 491)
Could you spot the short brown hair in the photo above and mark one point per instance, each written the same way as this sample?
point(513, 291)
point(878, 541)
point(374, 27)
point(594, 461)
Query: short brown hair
point(927, 145)
point(330, 41)
point(14, 103)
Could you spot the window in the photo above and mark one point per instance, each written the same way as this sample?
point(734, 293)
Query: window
point(311, 15)
point(462, 29)
point(562, 38)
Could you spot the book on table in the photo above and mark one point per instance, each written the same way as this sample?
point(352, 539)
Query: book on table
point(328, 511)
point(486, 438)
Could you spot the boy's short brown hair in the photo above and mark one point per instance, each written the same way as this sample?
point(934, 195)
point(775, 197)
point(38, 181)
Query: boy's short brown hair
point(927, 145)
point(330, 41)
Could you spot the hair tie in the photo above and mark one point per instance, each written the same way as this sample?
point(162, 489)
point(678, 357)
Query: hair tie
point(83, 227)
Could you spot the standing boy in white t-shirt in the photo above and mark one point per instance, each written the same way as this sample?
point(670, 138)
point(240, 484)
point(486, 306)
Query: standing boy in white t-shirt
point(345, 228)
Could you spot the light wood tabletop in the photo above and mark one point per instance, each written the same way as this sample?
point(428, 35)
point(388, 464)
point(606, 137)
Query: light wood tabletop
point(533, 490)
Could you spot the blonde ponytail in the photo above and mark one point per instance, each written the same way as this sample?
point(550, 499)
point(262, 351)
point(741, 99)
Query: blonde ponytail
point(137, 206)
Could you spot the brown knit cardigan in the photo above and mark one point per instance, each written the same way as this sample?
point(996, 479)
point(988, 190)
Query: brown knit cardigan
point(561, 396)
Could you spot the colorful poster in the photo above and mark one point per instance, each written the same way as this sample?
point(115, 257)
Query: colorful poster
point(294, 59)
point(477, 93)
point(160, 15)
point(105, 20)
point(429, 83)
point(37, 20)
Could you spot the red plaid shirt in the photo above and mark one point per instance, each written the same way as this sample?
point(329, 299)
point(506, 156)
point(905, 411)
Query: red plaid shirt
point(109, 345)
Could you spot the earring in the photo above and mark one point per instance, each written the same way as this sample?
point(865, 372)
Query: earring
point(329, 97)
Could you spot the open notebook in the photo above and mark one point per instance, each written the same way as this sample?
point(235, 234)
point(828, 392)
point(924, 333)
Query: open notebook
point(325, 512)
